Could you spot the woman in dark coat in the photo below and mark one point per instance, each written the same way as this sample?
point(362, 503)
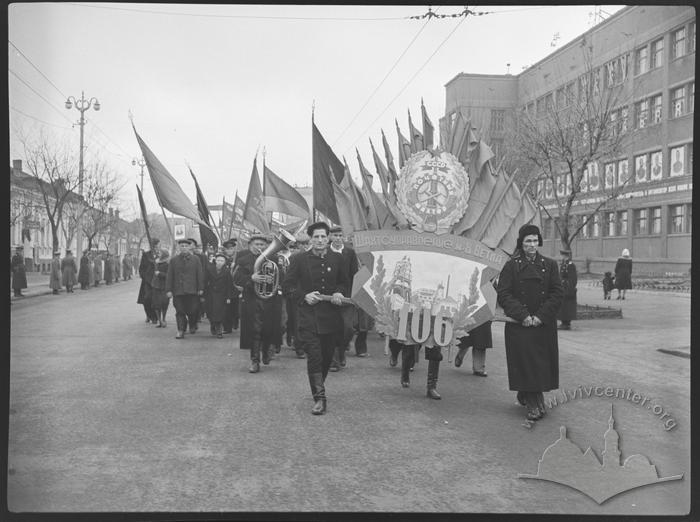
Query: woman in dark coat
point(109, 269)
point(70, 271)
point(19, 272)
point(146, 269)
point(219, 293)
point(84, 272)
point(98, 269)
point(623, 274)
point(530, 293)
point(159, 297)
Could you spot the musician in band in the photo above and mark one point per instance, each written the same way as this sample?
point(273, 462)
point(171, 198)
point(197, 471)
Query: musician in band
point(350, 266)
point(312, 274)
point(230, 321)
point(257, 317)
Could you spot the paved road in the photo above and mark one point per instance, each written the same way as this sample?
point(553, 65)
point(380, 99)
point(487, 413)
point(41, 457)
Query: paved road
point(110, 414)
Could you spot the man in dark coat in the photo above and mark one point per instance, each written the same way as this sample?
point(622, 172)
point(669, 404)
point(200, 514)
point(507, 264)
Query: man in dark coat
point(257, 315)
point(117, 268)
point(312, 274)
point(84, 271)
point(204, 260)
point(350, 265)
point(126, 267)
point(146, 270)
point(70, 270)
point(530, 293)
point(569, 279)
point(219, 291)
point(479, 340)
point(19, 272)
point(230, 321)
point(109, 268)
point(184, 283)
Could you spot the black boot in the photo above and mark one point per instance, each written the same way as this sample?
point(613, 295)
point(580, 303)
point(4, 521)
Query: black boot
point(335, 364)
point(407, 354)
point(266, 354)
point(361, 344)
point(255, 357)
point(433, 367)
point(318, 391)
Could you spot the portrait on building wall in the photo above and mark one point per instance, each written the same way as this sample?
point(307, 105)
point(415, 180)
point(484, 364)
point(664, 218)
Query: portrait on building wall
point(584, 180)
point(561, 186)
point(548, 189)
point(622, 172)
point(609, 175)
point(677, 161)
point(640, 168)
point(593, 177)
point(657, 165)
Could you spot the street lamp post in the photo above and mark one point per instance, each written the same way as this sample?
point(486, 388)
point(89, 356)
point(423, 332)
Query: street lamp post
point(81, 105)
point(141, 163)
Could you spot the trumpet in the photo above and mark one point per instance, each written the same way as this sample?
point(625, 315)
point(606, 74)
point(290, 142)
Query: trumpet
point(266, 267)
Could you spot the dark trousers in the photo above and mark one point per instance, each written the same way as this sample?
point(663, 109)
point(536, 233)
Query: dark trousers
point(319, 351)
point(186, 309)
point(231, 313)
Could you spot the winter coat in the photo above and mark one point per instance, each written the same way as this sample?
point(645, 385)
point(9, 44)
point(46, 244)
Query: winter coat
point(19, 272)
point(623, 273)
point(146, 269)
point(84, 272)
point(159, 298)
point(185, 275)
point(532, 353)
point(98, 269)
point(569, 279)
point(479, 338)
point(70, 270)
point(109, 269)
point(219, 289)
point(56, 277)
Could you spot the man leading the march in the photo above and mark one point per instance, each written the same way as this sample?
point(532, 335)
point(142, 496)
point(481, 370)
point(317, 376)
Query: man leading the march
point(314, 273)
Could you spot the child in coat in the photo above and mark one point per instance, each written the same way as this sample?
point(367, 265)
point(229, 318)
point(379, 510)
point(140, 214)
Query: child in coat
point(608, 285)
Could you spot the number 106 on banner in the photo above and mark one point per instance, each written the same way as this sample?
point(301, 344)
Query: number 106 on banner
point(416, 325)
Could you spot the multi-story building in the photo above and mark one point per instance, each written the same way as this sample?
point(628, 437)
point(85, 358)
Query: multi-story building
point(648, 52)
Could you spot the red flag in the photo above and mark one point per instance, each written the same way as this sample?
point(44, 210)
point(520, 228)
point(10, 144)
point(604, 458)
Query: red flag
point(428, 129)
point(378, 216)
point(144, 217)
point(254, 212)
point(393, 175)
point(382, 171)
point(206, 235)
point(481, 188)
point(526, 214)
point(404, 147)
point(325, 165)
point(280, 196)
point(416, 137)
point(500, 217)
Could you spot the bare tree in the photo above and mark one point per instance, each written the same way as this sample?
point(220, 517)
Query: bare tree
point(577, 127)
point(54, 168)
point(101, 191)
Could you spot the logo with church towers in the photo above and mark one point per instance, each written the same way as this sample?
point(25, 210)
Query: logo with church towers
point(564, 463)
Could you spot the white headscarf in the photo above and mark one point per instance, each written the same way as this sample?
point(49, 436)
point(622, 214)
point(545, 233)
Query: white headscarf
point(625, 253)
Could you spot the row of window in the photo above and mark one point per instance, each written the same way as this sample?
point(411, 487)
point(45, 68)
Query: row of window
point(615, 72)
point(649, 111)
point(645, 222)
point(648, 166)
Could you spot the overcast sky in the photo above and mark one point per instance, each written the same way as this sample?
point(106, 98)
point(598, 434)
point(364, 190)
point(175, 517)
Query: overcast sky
point(209, 84)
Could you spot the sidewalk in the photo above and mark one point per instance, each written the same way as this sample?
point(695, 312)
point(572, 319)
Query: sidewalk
point(38, 284)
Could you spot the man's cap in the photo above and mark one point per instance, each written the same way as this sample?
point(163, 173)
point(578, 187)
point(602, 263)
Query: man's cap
point(258, 235)
point(57, 253)
point(220, 254)
point(184, 240)
point(229, 243)
point(528, 230)
point(565, 251)
point(336, 228)
point(193, 241)
point(314, 226)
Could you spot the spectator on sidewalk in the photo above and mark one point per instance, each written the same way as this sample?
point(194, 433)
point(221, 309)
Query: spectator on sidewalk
point(70, 271)
point(109, 269)
point(19, 272)
point(56, 274)
point(623, 273)
point(84, 271)
point(608, 285)
point(569, 279)
point(117, 268)
point(91, 268)
point(98, 269)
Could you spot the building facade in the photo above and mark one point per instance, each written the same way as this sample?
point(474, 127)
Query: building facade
point(648, 52)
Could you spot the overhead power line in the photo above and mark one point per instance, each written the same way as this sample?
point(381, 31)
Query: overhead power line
point(37, 119)
point(38, 94)
point(36, 68)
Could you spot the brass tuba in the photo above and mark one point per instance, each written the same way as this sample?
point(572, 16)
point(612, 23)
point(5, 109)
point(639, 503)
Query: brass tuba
point(265, 266)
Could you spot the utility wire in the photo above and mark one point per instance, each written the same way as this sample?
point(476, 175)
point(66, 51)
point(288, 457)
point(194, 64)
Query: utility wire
point(407, 84)
point(38, 94)
point(36, 68)
point(383, 80)
point(37, 119)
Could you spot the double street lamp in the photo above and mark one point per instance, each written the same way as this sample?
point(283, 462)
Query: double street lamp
point(81, 105)
point(141, 163)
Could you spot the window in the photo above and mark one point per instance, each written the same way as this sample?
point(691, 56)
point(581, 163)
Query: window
point(609, 229)
point(656, 108)
point(548, 189)
point(655, 221)
point(678, 161)
point(595, 225)
point(657, 165)
point(691, 98)
point(657, 53)
point(678, 43)
point(497, 147)
point(549, 102)
point(641, 114)
point(561, 98)
point(561, 186)
point(677, 223)
point(609, 175)
point(641, 217)
point(691, 37)
point(593, 177)
point(641, 61)
point(569, 92)
point(623, 174)
point(547, 228)
point(585, 228)
point(540, 108)
point(622, 223)
point(498, 121)
point(678, 101)
point(623, 119)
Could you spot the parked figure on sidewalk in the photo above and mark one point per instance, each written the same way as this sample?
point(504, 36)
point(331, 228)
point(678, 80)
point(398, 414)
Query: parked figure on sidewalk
point(530, 292)
point(146, 269)
point(91, 269)
point(19, 272)
point(56, 275)
point(479, 340)
point(318, 271)
point(569, 279)
point(185, 285)
point(219, 292)
point(623, 274)
point(350, 265)
point(159, 298)
point(98, 268)
point(257, 317)
point(109, 268)
point(608, 285)
point(117, 268)
point(70, 271)
point(84, 271)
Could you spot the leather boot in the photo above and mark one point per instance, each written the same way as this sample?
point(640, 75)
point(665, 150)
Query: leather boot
point(433, 367)
point(406, 363)
point(255, 357)
point(266, 354)
point(319, 392)
point(335, 364)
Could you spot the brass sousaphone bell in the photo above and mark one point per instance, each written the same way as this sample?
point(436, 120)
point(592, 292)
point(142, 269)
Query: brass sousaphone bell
point(265, 266)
